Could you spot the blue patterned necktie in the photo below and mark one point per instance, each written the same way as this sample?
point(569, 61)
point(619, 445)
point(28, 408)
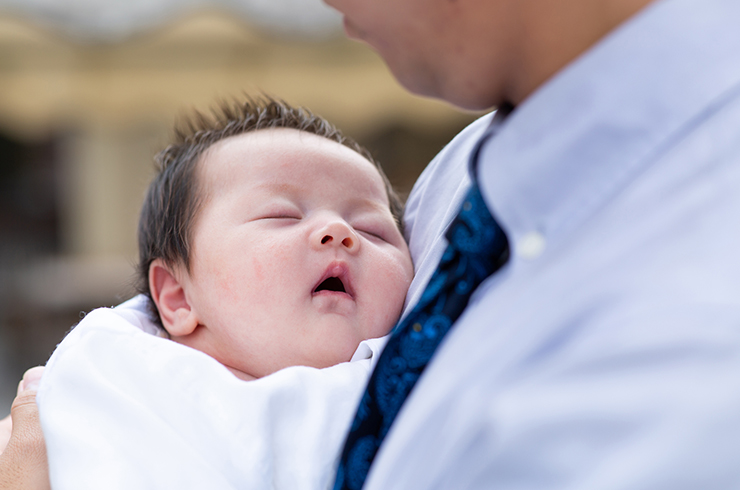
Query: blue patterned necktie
point(476, 248)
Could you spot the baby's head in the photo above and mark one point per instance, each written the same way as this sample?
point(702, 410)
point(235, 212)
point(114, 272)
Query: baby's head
point(268, 239)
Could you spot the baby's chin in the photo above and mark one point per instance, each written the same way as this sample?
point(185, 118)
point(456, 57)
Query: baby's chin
point(240, 374)
point(323, 355)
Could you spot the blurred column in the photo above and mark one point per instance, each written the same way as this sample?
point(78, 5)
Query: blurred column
point(106, 170)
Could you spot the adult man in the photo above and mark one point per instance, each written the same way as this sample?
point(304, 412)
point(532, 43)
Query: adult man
point(606, 352)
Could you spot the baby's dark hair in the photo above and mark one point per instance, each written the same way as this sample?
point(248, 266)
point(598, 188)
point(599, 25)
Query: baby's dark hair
point(173, 199)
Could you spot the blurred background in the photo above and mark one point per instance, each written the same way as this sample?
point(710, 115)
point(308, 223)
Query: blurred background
point(89, 92)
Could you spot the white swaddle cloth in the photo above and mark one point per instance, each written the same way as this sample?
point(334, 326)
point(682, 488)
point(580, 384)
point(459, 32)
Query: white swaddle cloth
point(122, 408)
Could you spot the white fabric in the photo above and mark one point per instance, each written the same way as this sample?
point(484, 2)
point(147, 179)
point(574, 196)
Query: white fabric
point(122, 408)
point(606, 353)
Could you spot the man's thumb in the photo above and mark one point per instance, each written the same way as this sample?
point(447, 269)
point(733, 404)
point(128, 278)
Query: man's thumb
point(23, 463)
point(31, 379)
point(25, 414)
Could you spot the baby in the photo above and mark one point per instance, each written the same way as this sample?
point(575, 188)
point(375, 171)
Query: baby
point(270, 244)
point(281, 248)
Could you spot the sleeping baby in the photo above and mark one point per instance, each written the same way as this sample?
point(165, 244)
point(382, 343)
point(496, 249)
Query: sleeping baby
point(270, 253)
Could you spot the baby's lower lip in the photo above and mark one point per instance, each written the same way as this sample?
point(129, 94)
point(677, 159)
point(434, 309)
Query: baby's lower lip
point(334, 302)
point(330, 293)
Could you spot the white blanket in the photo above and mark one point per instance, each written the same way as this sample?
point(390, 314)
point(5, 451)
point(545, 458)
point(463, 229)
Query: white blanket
point(124, 408)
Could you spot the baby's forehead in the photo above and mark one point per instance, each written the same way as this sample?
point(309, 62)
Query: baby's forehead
point(284, 156)
point(280, 140)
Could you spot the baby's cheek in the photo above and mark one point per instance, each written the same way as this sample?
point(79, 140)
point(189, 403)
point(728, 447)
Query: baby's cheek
point(235, 281)
point(397, 286)
point(402, 271)
point(381, 323)
point(258, 269)
point(278, 264)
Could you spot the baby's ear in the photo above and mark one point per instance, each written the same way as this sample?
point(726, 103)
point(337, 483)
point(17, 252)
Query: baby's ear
point(168, 294)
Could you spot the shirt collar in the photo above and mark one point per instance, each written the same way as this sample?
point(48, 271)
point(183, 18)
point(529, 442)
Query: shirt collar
point(585, 133)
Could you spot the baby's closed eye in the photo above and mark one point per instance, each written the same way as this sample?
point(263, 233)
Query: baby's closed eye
point(278, 213)
point(281, 216)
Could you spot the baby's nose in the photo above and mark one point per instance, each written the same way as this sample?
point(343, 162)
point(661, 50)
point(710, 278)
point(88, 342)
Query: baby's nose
point(337, 234)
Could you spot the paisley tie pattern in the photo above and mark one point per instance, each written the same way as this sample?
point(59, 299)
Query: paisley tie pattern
point(477, 247)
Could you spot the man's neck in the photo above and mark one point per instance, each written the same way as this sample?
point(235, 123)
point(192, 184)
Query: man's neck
point(556, 33)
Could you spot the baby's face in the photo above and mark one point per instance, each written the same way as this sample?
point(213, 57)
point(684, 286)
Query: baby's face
point(296, 257)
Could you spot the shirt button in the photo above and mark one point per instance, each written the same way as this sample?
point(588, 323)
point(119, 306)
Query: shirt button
point(531, 245)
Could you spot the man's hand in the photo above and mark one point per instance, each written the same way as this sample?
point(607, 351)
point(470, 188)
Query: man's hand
point(23, 464)
point(6, 426)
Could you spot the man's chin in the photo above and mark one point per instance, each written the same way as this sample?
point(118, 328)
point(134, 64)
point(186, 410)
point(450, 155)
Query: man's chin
point(351, 31)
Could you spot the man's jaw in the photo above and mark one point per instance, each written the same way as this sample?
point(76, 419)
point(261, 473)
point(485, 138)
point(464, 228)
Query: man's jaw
point(349, 29)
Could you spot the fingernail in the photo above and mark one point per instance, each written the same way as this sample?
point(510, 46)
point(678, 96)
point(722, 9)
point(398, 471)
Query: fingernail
point(32, 378)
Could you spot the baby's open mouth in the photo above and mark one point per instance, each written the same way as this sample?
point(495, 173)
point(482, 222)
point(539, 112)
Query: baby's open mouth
point(331, 284)
point(336, 281)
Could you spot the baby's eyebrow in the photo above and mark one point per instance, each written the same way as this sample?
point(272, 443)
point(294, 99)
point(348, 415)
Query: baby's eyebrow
point(370, 206)
point(290, 189)
point(280, 187)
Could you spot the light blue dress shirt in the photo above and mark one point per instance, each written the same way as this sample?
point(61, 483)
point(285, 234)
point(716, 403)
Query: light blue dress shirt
point(606, 353)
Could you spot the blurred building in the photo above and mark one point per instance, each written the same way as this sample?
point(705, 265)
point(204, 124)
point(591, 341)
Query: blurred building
point(89, 91)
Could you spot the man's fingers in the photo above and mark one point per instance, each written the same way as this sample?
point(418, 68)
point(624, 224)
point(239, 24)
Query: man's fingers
point(23, 464)
point(26, 429)
point(31, 379)
point(6, 425)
